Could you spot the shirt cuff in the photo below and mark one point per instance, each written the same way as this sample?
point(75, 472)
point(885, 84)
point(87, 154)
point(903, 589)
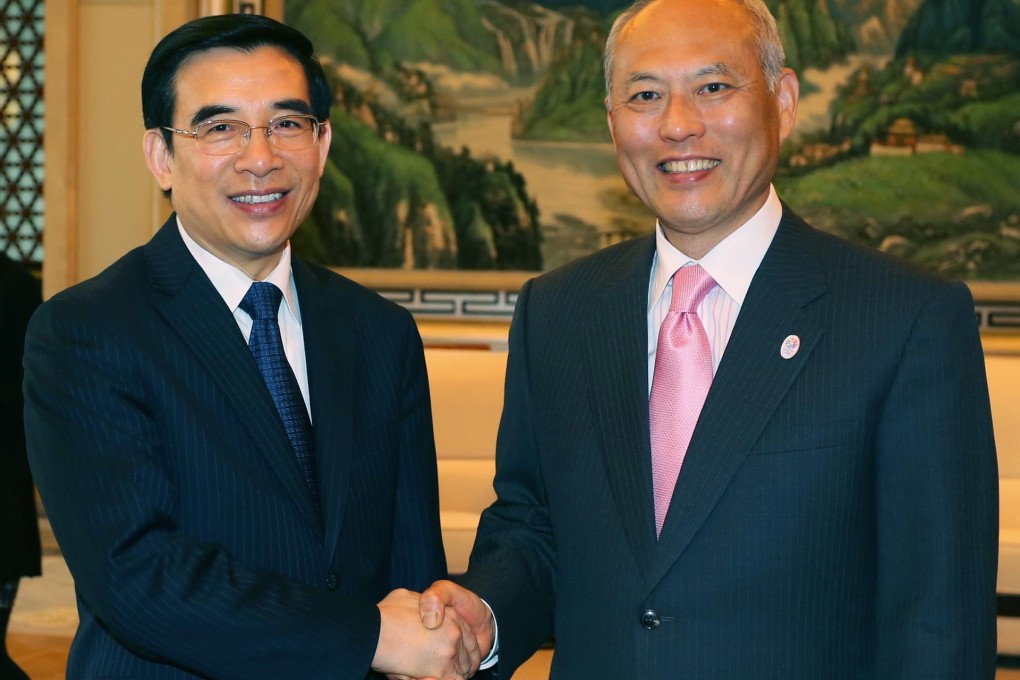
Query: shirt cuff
point(493, 658)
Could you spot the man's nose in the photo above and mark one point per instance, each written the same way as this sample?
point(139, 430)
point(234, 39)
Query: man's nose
point(681, 118)
point(258, 154)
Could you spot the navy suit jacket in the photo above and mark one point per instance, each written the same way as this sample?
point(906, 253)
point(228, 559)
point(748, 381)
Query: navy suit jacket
point(177, 500)
point(836, 513)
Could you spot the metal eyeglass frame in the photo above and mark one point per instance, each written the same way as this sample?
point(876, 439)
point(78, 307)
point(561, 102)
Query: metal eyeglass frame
point(246, 136)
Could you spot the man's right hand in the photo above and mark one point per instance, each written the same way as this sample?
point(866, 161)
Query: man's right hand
point(470, 609)
point(447, 650)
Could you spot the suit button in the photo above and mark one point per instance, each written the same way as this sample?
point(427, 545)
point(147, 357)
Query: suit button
point(650, 619)
point(332, 581)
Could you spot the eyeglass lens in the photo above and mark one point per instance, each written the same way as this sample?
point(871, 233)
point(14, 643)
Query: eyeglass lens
point(287, 133)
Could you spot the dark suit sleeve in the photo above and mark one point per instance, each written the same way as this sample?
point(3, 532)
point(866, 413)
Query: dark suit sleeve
point(937, 503)
point(511, 565)
point(96, 449)
point(418, 558)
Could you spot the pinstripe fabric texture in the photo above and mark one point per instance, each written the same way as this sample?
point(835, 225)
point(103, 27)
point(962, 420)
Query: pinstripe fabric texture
point(172, 488)
point(835, 516)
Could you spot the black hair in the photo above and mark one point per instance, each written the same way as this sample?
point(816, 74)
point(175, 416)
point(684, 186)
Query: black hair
point(242, 32)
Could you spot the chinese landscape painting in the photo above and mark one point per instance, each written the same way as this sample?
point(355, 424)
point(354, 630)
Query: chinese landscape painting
point(471, 134)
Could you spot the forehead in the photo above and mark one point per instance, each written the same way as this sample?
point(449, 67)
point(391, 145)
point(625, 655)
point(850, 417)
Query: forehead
point(234, 77)
point(687, 36)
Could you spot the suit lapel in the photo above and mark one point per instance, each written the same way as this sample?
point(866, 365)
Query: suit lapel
point(194, 309)
point(330, 351)
point(616, 363)
point(749, 384)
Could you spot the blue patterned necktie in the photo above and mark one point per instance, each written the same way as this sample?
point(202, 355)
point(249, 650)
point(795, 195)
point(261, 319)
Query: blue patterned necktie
point(262, 303)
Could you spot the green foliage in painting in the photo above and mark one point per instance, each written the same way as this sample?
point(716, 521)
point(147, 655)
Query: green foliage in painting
point(324, 24)
point(939, 219)
point(569, 104)
point(439, 31)
point(962, 27)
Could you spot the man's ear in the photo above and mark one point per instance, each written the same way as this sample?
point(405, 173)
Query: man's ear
point(609, 117)
point(158, 156)
point(788, 95)
point(325, 139)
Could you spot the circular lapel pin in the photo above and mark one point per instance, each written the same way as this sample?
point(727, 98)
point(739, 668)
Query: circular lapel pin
point(790, 347)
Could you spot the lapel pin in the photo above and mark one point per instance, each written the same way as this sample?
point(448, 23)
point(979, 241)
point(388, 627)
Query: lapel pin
point(790, 347)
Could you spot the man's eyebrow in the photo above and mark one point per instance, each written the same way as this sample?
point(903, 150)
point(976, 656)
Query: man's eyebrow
point(642, 76)
point(717, 69)
point(210, 111)
point(298, 105)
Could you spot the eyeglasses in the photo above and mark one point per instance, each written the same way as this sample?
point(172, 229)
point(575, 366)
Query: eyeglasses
point(227, 137)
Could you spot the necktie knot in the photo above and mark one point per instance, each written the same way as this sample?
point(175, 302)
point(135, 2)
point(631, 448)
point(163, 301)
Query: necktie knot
point(262, 301)
point(690, 286)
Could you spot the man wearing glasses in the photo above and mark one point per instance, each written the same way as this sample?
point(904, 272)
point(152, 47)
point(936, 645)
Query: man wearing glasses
point(235, 447)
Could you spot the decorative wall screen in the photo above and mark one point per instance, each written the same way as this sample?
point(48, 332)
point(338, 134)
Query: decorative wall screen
point(21, 135)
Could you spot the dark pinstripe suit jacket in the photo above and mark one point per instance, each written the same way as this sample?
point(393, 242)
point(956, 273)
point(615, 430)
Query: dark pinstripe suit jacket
point(174, 494)
point(835, 516)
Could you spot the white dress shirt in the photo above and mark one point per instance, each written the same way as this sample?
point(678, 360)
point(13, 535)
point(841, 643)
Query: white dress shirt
point(732, 263)
point(232, 284)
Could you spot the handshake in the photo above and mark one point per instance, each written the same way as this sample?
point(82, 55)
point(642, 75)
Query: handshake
point(442, 634)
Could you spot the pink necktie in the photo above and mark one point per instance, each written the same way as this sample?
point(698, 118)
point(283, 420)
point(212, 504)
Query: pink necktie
point(683, 374)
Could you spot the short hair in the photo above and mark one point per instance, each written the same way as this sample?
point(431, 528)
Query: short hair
point(241, 32)
point(766, 37)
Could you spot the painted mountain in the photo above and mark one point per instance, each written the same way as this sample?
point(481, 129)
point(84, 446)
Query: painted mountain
point(391, 197)
point(875, 24)
point(923, 153)
point(943, 27)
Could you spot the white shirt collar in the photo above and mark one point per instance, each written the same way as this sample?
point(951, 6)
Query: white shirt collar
point(732, 263)
point(232, 284)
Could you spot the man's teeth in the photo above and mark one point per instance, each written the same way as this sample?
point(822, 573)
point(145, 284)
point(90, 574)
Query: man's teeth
point(252, 199)
point(688, 166)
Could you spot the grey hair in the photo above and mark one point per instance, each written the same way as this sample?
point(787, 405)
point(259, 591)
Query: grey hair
point(766, 37)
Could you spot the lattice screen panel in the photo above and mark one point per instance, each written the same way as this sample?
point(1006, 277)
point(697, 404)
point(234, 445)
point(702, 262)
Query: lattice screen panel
point(21, 135)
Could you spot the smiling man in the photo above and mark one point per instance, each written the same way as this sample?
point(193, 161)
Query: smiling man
point(234, 447)
point(739, 447)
